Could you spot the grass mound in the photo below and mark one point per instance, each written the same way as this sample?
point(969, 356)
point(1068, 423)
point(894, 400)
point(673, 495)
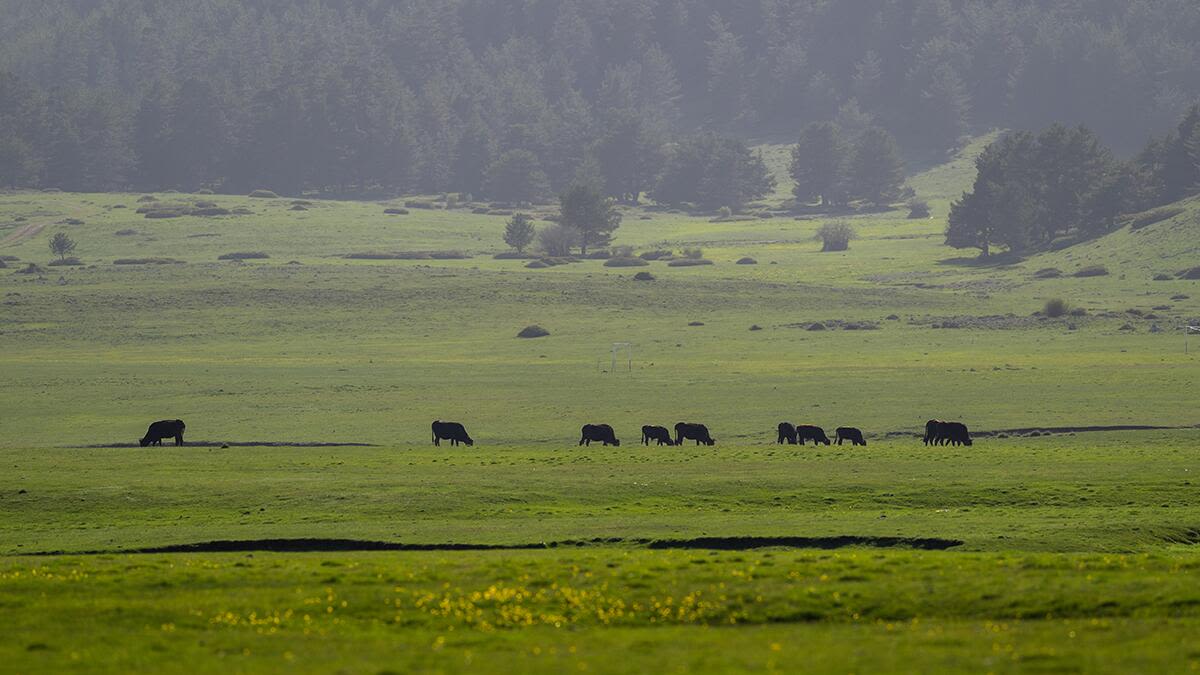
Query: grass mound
point(395, 212)
point(66, 262)
point(1048, 273)
point(263, 194)
point(689, 262)
point(1092, 271)
point(747, 261)
point(534, 331)
point(625, 262)
point(407, 255)
point(644, 276)
point(1192, 274)
point(147, 261)
point(244, 255)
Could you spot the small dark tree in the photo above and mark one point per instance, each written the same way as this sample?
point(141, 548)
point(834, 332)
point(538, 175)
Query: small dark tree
point(585, 208)
point(557, 240)
point(818, 164)
point(876, 171)
point(518, 232)
point(61, 245)
point(835, 236)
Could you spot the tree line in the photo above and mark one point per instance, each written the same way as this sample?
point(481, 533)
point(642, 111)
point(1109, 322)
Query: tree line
point(1063, 184)
point(514, 101)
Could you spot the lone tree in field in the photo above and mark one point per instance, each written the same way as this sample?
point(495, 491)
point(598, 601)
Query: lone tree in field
point(61, 245)
point(518, 232)
point(835, 236)
point(819, 164)
point(586, 209)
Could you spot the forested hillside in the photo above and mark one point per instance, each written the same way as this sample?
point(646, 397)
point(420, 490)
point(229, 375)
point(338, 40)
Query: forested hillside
point(370, 96)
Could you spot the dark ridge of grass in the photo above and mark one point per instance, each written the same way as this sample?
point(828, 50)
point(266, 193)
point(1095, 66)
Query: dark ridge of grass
point(322, 545)
point(244, 255)
point(238, 444)
point(1052, 430)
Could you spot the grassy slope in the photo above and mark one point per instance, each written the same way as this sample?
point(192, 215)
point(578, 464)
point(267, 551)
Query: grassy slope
point(371, 351)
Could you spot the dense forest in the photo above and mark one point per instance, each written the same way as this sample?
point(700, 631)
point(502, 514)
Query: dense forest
point(511, 99)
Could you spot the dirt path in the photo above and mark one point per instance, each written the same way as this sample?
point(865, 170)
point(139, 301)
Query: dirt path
point(26, 232)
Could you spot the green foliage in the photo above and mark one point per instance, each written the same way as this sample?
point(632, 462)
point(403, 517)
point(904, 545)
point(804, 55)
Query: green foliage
point(516, 176)
point(585, 208)
point(712, 171)
point(61, 245)
point(557, 240)
point(519, 232)
point(876, 172)
point(1055, 307)
point(819, 165)
point(835, 236)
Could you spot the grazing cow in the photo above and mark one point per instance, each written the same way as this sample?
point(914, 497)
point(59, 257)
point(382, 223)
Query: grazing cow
point(806, 432)
point(450, 431)
point(601, 433)
point(695, 432)
point(164, 429)
point(660, 434)
point(955, 433)
point(850, 434)
point(933, 432)
point(787, 433)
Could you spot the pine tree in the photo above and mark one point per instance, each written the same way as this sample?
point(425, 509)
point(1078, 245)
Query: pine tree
point(585, 208)
point(518, 232)
point(819, 164)
point(876, 171)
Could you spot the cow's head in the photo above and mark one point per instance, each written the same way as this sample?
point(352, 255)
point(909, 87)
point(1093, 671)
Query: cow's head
point(469, 442)
point(144, 441)
point(966, 441)
point(616, 442)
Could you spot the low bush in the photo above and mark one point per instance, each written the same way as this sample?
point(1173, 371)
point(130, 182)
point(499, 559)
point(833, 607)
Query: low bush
point(407, 255)
point(419, 204)
point(1092, 271)
point(1190, 274)
point(689, 262)
point(533, 331)
point(66, 262)
point(395, 212)
point(918, 208)
point(204, 191)
point(656, 255)
point(622, 252)
point(625, 262)
point(693, 253)
point(244, 255)
point(210, 211)
point(297, 207)
point(835, 236)
point(747, 261)
point(1048, 273)
point(643, 276)
point(164, 213)
point(31, 268)
point(147, 261)
point(263, 194)
point(1055, 307)
point(3, 265)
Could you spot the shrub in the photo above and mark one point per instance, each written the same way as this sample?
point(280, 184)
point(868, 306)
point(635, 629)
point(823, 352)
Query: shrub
point(301, 202)
point(407, 255)
point(1163, 277)
point(755, 327)
point(61, 245)
point(1190, 274)
point(395, 212)
point(202, 204)
point(147, 261)
point(164, 213)
point(818, 326)
point(835, 236)
point(1078, 311)
point(65, 262)
point(918, 208)
point(643, 276)
point(747, 261)
point(31, 268)
point(1055, 307)
point(534, 331)
point(1048, 273)
point(557, 240)
point(689, 262)
point(656, 255)
point(622, 251)
point(693, 253)
point(1148, 218)
point(1092, 271)
point(418, 204)
point(480, 210)
point(724, 212)
point(625, 262)
point(263, 194)
point(218, 211)
point(537, 265)
point(244, 255)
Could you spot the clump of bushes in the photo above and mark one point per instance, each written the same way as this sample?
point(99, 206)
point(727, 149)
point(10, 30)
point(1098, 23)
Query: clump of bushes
point(147, 261)
point(1055, 307)
point(689, 262)
point(1092, 271)
point(263, 194)
point(747, 261)
point(297, 207)
point(1190, 274)
point(534, 331)
point(395, 212)
point(643, 276)
point(244, 255)
point(918, 208)
point(66, 262)
point(835, 236)
point(625, 262)
point(1048, 273)
point(656, 255)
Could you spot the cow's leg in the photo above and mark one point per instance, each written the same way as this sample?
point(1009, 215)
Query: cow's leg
point(178, 439)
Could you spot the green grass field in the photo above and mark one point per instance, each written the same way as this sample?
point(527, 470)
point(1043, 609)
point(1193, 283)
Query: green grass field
point(1071, 552)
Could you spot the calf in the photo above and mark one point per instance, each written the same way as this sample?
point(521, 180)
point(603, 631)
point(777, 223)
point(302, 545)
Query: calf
point(956, 433)
point(601, 433)
point(450, 431)
point(695, 432)
point(164, 429)
point(787, 433)
point(660, 434)
point(808, 432)
point(850, 434)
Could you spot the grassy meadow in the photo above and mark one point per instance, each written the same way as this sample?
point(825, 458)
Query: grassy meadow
point(1071, 552)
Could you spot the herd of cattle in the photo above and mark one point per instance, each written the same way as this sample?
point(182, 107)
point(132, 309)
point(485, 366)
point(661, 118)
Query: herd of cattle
point(937, 432)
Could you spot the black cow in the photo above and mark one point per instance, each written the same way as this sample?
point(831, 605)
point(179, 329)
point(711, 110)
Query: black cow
point(807, 432)
point(694, 432)
point(601, 433)
point(164, 429)
point(850, 434)
point(450, 431)
point(933, 432)
point(660, 434)
point(955, 433)
point(787, 433)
